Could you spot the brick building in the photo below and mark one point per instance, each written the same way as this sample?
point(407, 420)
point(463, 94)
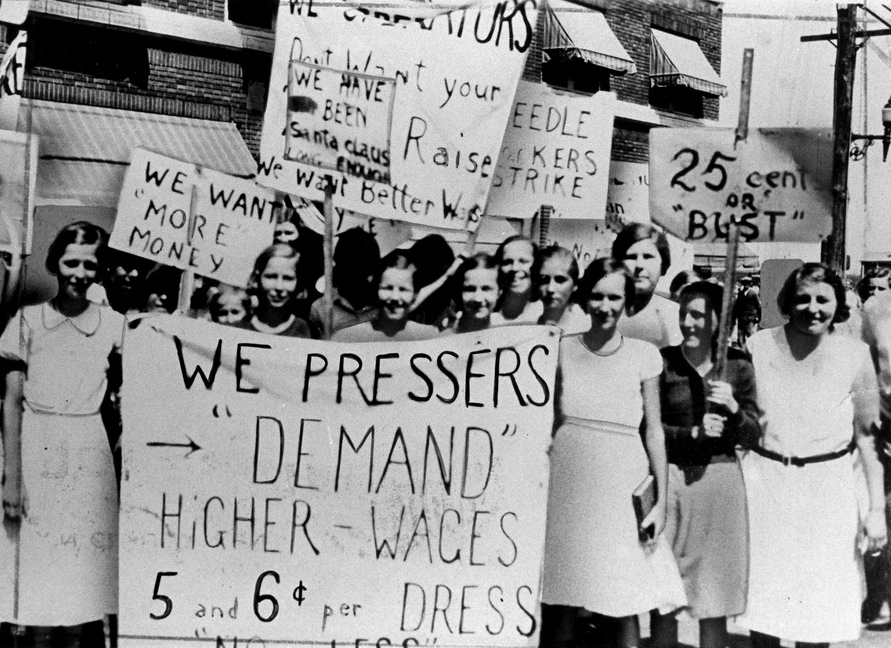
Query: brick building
point(186, 78)
point(189, 78)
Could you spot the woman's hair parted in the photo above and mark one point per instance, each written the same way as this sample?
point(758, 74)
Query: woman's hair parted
point(282, 250)
point(818, 273)
point(637, 232)
point(597, 270)
point(398, 260)
point(712, 292)
point(79, 233)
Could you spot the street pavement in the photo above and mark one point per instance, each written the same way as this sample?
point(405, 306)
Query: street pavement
point(877, 635)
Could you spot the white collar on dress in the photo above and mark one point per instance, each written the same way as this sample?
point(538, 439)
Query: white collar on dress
point(87, 322)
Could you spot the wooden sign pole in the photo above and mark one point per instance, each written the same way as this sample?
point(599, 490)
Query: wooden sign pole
point(187, 281)
point(725, 326)
point(328, 246)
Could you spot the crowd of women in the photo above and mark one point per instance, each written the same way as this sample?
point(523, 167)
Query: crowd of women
point(755, 513)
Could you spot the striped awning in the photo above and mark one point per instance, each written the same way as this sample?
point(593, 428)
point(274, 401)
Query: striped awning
point(574, 32)
point(84, 151)
point(676, 60)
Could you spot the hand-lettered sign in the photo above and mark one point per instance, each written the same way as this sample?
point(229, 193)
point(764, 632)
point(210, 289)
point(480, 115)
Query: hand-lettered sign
point(556, 152)
point(351, 136)
point(775, 184)
point(314, 493)
point(218, 235)
point(455, 77)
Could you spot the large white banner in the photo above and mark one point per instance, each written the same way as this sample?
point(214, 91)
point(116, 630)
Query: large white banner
point(456, 74)
point(200, 220)
point(293, 492)
point(556, 152)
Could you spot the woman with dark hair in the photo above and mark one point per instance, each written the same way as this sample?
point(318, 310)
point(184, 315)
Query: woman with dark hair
point(644, 251)
point(437, 264)
point(704, 420)
point(874, 281)
point(608, 386)
point(59, 477)
point(515, 258)
point(274, 284)
point(395, 295)
point(556, 273)
point(477, 284)
point(815, 389)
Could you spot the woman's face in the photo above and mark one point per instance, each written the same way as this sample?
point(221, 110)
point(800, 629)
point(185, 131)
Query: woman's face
point(516, 267)
point(479, 293)
point(876, 285)
point(77, 270)
point(396, 292)
point(554, 284)
point(285, 232)
point(813, 307)
point(278, 281)
point(644, 264)
point(230, 308)
point(606, 302)
point(698, 322)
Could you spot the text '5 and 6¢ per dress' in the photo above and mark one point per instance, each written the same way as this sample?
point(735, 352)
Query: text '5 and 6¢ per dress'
point(593, 557)
point(68, 555)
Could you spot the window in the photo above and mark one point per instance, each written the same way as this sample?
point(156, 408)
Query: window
point(252, 13)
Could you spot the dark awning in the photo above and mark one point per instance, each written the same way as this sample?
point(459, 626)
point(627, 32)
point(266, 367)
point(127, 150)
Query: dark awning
point(679, 61)
point(574, 32)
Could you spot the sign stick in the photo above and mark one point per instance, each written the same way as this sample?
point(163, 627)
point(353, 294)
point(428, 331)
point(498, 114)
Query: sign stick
point(544, 223)
point(187, 281)
point(726, 323)
point(328, 297)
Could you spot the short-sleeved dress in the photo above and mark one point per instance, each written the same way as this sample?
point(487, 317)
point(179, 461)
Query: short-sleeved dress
point(593, 557)
point(803, 521)
point(68, 540)
point(657, 323)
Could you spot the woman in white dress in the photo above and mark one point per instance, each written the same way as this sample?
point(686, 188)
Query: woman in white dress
point(819, 398)
point(644, 251)
point(59, 563)
point(608, 385)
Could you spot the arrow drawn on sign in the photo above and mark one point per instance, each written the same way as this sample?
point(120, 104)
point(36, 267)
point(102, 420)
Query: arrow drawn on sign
point(164, 444)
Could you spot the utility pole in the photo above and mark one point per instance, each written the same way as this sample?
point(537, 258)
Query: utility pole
point(845, 59)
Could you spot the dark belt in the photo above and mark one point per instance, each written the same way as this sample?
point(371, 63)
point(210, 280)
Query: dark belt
point(803, 461)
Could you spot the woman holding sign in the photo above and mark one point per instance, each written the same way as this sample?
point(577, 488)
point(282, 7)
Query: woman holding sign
point(644, 252)
point(817, 391)
point(597, 557)
point(704, 420)
point(60, 490)
point(556, 274)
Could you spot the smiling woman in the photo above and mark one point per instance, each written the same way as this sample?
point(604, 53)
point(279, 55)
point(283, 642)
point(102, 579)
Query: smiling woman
point(804, 583)
point(395, 294)
point(59, 477)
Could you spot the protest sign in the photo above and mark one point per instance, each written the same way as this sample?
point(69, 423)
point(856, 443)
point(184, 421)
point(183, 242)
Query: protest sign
point(300, 492)
point(556, 152)
point(18, 176)
point(218, 235)
point(12, 81)
point(628, 194)
point(14, 12)
point(586, 239)
point(456, 74)
point(351, 136)
point(775, 184)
